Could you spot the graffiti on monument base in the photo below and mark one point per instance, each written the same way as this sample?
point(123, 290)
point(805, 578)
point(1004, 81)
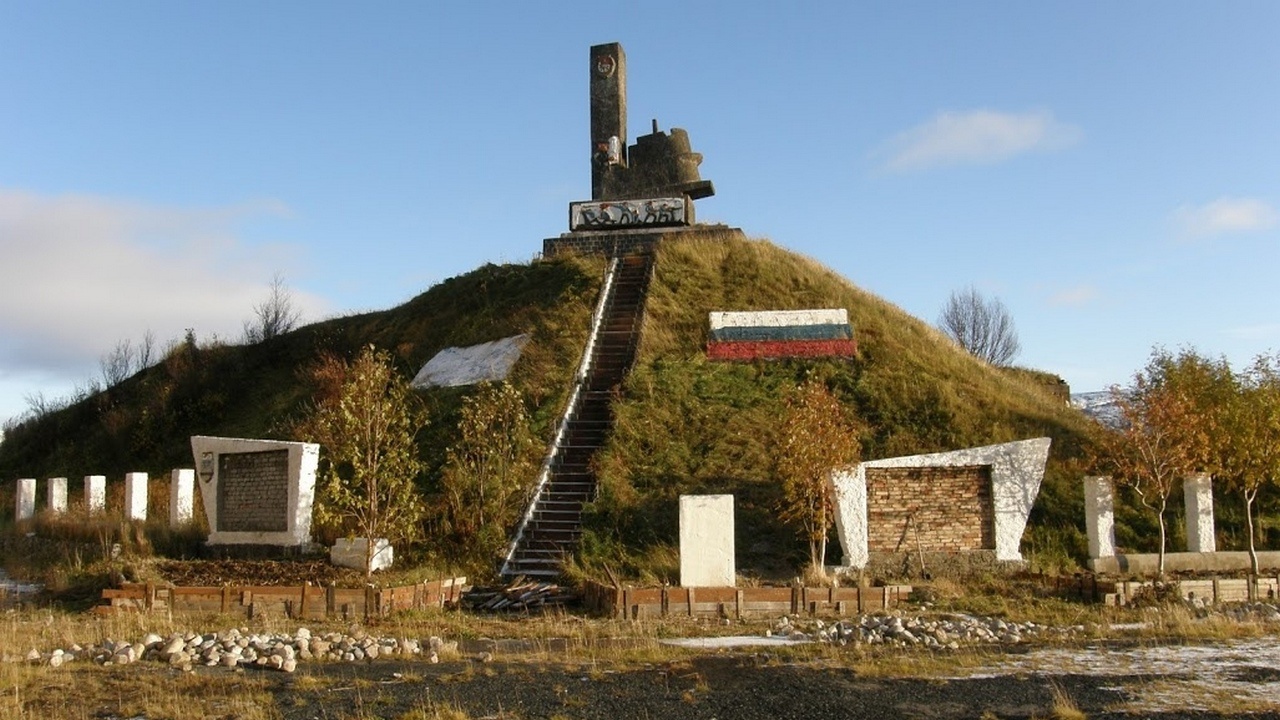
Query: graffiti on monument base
point(612, 214)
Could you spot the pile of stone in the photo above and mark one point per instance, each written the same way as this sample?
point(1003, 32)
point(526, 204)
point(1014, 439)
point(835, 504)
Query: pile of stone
point(945, 632)
point(238, 648)
point(1243, 612)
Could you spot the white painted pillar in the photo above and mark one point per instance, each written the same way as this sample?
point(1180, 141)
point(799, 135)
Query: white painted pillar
point(25, 502)
point(182, 494)
point(57, 495)
point(95, 493)
point(706, 541)
point(1099, 516)
point(135, 496)
point(1197, 494)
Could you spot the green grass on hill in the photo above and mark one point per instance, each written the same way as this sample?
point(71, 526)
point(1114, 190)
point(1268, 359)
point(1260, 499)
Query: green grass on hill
point(686, 425)
point(143, 424)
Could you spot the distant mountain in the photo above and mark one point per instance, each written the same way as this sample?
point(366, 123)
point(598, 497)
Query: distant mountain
point(1100, 406)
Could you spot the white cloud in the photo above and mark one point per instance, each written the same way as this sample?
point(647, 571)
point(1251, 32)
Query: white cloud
point(80, 273)
point(1074, 296)
point(1223, 216)
point(976, 137)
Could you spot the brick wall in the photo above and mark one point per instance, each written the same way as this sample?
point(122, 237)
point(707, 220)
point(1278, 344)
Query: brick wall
point(253, 491)
point(949, 509)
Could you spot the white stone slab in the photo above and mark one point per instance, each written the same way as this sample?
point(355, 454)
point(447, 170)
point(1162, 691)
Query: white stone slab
point(294, 520)
point(135, 496)
point(95, 493)
point(1017, 468)
point(1197, 493)
point(454, 366)
point(778, 318)
point(25, 500)
point(56, 493)
point(182, 496)
point(1099, 516)
point(350, 552)
point(706, 541)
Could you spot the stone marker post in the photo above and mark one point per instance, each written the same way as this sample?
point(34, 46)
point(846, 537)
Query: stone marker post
point(95, 493)
point(1099, 516)
point(706, 541)
point(135, 496)
point(182, 496)
point(1197, 491)
point(25, 500)
point(57, 495)
point(608, 113)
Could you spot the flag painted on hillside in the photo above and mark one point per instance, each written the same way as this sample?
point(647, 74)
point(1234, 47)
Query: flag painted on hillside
point(774, 334)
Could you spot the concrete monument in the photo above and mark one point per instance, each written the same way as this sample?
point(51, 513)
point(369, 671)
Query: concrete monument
point(182, 496)
point(57, 495)
point(256, 492)
point(25, 500)
point(974, 499)
point(135, 496)
point(95, 493)
point(706, 541)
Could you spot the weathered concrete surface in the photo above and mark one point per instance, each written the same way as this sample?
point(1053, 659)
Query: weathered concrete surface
point(57, 495)
point(182, 496)
point(1017, 469)
point(706, 541)
point(95, 493)
point(24, 507)
point(303, 459)
point(135, 496)
point(1148, 563)
point(350, 552)
point(1099, 516)
point(455, 366)
point(1198, 499)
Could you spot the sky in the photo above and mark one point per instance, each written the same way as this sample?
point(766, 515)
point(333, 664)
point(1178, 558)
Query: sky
point(1109, 171)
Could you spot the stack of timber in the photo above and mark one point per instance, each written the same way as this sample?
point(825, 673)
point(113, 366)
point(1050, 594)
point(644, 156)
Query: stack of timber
point(520, 596)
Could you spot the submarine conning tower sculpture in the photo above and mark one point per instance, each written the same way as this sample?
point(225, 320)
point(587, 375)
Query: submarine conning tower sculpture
point(658, 165)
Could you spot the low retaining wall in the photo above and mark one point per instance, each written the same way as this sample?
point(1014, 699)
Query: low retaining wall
point(1211, 590)
point(735, 602)
point(1149, 563)
point(302, 602)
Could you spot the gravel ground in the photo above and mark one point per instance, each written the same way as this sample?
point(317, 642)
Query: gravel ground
point(740, 686)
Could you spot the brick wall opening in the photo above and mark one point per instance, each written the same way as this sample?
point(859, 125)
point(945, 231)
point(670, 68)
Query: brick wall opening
point(946, 509)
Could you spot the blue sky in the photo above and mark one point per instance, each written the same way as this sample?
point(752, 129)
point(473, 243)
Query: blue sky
point(1110, 171)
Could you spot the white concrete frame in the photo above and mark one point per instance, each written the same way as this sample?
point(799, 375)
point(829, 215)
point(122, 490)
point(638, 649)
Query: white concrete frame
point(1017, 468)
point(304, 458)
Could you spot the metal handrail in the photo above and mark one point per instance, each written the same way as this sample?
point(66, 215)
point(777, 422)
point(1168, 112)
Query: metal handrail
point(571, 409)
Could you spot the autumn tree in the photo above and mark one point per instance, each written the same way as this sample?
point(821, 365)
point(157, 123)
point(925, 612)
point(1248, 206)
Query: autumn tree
point(488, 467)
point(982, 326)
point(817, 437)
point(1249, 444)
point(365, 418)
point(1170, 418)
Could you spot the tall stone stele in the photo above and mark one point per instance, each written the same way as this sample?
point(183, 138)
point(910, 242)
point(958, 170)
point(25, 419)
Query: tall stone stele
point(658, 165)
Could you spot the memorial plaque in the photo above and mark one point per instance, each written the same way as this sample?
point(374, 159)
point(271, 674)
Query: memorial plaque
point(253, 491)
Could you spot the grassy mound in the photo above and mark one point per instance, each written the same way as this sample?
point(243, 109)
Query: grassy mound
point(686, 425)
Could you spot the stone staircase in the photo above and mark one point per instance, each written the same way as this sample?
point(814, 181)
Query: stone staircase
point(552, 525)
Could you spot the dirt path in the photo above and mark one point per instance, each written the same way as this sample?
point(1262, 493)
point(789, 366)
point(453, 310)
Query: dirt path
point(742, 686)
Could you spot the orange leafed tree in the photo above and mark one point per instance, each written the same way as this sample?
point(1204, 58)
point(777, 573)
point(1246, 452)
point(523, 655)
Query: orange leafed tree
point(818, 436)
point(1171, 421)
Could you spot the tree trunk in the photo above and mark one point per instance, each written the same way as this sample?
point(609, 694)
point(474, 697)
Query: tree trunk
point(1160, 566)
point(1248, 514)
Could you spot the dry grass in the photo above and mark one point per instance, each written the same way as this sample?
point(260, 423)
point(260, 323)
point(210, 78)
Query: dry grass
point(1064, 707)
